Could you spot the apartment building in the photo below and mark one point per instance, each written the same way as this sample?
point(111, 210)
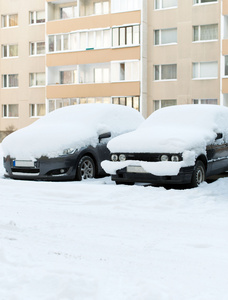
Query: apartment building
point(146, 54)
point(22, 63)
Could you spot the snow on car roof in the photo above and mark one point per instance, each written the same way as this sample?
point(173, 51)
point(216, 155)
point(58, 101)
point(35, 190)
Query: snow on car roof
point(73, 126)
point(175, 129)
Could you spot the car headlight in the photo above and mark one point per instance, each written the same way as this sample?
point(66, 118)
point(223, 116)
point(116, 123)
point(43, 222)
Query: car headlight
point(164, 157)
point(175, 158)
point(68, 151)
point(114, 157)
point(122, 157)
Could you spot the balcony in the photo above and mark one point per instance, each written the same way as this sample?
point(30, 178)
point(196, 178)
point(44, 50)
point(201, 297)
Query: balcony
point(62, 9)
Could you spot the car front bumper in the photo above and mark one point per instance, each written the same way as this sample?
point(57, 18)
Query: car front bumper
point(129, 176)
point(60, 168)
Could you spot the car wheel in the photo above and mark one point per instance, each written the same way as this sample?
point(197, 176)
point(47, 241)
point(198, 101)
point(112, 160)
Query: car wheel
point(86, 168)
point(199, 174)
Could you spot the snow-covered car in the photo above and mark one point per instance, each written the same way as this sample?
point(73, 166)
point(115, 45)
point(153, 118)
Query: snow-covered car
point(182, 144)
point(68, 143)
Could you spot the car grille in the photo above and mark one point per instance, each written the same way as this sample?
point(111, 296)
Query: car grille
point(143, 156)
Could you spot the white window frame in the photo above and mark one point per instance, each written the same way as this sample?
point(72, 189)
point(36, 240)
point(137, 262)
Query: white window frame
point(8, 51)
point(35, 48)
point(5, 108)
point(75, 12)
point(35, 79)
point(123, 79)
point(34, 108)
point(34, 13)
point(7, 21)
point(199, 101)
point(199, 34)
point(160, 73)
point(198, 64)
point(160, 37)
point(160, 5)
point(131, 101)
point(5, 81)
point(159, 102)
point(125, 29)
point(225, 66)
point(78, 38)
point(198, 2)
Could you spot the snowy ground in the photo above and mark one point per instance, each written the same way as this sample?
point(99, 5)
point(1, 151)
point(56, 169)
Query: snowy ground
point(97, 241)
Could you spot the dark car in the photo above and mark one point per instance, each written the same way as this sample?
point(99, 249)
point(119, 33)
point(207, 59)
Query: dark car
point(68, 143)
point(176, 145)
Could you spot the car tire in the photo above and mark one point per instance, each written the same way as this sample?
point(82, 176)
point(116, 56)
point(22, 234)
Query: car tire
point(199, 174)
point(85, 169)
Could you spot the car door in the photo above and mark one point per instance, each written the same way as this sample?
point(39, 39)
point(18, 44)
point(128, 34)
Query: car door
point(217, 155)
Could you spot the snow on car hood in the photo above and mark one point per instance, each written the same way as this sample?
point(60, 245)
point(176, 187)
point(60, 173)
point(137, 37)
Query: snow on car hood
point(70, 127)
point(185, 129)
point(174, 130)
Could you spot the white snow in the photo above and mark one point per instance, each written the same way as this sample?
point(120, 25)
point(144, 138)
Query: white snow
point(185, 129)
point(94, 240)
point(70, 127)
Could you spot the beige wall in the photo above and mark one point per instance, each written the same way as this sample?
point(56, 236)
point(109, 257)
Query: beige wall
point(23, 65)
point(184, 53)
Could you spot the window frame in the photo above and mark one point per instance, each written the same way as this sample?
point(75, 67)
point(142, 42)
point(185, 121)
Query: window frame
point(5, 108)
point(8, 51)
point(199, 64)
point(7, 21)
point(161, 4)
point(199, 40)
point(160, 72)
point(119, 36)
point(198, 2)
point(159, 102)
point(6, 81)
point(35, 79)
point(34, 107)
point(33, 16)
point(36, 47)
point(160, 37)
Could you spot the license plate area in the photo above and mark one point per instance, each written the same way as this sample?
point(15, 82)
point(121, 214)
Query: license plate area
point(24, 163)
point(135, 169)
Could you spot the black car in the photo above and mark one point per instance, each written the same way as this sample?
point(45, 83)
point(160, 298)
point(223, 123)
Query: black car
point(176, 145)
point(68, 143)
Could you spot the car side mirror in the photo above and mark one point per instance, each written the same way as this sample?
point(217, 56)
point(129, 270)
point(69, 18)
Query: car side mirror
point(219, 136)
point(104, 136)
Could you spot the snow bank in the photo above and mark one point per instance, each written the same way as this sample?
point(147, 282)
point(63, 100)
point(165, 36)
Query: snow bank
point(70, 127)
point(185, 129)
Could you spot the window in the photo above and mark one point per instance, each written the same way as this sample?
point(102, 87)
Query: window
point(226, 65)
point(101, 75)
point(203, 1)
point(101, 8)
point(163, 4)
point(126, 36)
point(10, 80)
point(37, 17)
point(9, 51)
point(125, 71)
point(69, 77)
point(165, 72)
point(165, 36)
point(69, 12)
point(36, 110)
point(10, 111)
point(132, 101)
point(163, 103)
point(36, 79)
point(205, 101)
point(205, 32)
point(125, 5)
point(76, 41)
point(37, 48)
point(9, 20)
point(204, 70)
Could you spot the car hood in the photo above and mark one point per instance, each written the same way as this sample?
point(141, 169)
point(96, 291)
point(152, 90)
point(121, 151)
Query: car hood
point(161, 139)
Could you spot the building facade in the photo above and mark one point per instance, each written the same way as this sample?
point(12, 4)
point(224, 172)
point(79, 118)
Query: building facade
point(146, 54)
